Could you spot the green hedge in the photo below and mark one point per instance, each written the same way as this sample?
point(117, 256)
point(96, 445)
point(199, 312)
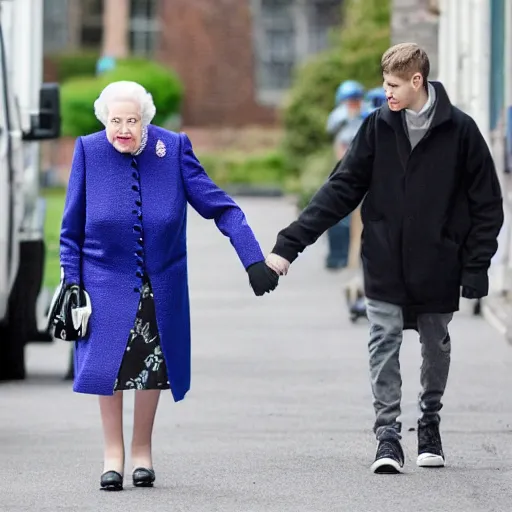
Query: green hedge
point(73, 65)
point(356, 55)
point(315, 170)
point(78, 94)
point(267, 168)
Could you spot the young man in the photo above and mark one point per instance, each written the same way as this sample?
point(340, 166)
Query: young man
point(432, 211)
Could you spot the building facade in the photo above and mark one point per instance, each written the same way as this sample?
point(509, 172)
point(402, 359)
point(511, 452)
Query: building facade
point(235, 57)
point(417, 21)
point(475, 63)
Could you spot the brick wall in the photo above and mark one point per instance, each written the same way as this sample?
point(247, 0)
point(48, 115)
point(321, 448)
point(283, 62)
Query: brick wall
point(209, 44)
point(416, 21)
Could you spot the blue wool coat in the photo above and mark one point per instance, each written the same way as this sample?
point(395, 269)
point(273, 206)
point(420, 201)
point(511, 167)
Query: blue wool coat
point(104, 246)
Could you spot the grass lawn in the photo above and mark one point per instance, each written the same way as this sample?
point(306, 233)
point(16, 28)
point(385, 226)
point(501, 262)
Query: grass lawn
point(54, 208)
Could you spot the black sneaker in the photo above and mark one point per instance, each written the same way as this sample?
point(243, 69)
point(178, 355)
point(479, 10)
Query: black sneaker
point(389, 458)
point(430, 449)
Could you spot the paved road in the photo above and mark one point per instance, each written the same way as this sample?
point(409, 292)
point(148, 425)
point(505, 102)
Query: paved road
point(279, 417)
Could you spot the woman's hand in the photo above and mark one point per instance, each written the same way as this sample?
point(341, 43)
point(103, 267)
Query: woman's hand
point(262, 278)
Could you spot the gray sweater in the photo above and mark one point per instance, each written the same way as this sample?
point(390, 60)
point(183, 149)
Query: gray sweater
point(418, 123)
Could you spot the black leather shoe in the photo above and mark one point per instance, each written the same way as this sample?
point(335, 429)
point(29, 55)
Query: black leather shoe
point(143, 477)
point(111, 481)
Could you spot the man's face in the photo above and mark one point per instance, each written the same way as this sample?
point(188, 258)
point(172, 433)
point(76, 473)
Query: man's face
point(402, 93)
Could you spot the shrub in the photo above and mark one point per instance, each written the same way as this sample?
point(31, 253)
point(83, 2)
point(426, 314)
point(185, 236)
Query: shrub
point(315, 171)
point(163, 83)
point(355, 54)
point(78, 95)
point(77, 99)
point(73, 65)
point(228, 167)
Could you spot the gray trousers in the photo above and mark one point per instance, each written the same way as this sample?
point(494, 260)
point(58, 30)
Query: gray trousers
point(386, 328)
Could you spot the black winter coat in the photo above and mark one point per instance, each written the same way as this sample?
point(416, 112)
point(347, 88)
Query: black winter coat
point(431, 216)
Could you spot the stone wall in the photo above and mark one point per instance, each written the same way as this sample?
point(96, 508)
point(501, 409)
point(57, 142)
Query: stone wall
point(417, 21)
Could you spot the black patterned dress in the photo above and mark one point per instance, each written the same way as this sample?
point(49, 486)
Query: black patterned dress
point(143, 365)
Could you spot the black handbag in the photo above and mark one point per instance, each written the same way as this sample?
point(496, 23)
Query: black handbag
point(63, 321)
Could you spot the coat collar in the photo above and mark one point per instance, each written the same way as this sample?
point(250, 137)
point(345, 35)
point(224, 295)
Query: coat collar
point(442, 114)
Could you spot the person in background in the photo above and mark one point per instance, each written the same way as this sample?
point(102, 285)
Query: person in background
point(373, 100)
point(342, 124)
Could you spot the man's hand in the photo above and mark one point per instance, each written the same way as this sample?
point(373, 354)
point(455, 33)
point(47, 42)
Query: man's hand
point(474, 285)
point(471, 293)
point(277, 264)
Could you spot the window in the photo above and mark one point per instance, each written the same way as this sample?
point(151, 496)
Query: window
point(278, 47)
point(56, 26)
point(323, 15)
point(144, 26)
point(91, 32)
point(286, 32)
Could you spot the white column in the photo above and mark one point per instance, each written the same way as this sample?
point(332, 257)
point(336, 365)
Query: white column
point(442, 38)
point(116, 25)
point(448, 47)
point(464, 54)
point(480, 50)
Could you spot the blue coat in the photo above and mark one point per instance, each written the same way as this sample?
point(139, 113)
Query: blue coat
point(99, 247)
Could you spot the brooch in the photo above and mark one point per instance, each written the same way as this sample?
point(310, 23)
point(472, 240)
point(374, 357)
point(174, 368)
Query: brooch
point(160, 148)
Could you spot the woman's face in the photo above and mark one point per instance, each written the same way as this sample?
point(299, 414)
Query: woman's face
point(124, 126)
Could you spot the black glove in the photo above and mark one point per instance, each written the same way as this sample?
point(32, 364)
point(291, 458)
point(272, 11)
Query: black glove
point(475, 285)
point(262, 278)
point(471, 293)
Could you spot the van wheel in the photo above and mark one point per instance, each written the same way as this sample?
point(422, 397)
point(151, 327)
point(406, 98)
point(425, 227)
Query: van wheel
point(12, 352)
point(21, 324)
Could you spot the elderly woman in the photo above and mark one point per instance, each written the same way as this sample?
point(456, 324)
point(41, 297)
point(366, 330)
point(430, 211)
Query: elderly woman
point(123, 240)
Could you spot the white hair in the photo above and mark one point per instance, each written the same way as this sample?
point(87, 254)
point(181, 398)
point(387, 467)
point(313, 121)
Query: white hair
point(125, 91)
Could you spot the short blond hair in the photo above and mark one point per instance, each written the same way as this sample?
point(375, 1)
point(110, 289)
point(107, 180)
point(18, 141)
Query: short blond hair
point(404, 60)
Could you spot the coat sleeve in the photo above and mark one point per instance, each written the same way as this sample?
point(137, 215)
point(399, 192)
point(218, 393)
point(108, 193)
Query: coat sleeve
point(73, 220)
point(341, 194)
point(485, 210)
point(211, 202)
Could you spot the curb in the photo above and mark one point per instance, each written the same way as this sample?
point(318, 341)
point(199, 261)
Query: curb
point(494, 320)
point(496, 312)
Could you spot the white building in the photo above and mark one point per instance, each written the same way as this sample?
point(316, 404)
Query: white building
point(475, 65)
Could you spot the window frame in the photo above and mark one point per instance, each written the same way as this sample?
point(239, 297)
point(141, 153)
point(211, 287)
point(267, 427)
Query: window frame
point(300, 13)
point(144, 27)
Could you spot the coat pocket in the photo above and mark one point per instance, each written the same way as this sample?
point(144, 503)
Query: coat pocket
point(380, 263)
point(433, 273)
point(375, 239)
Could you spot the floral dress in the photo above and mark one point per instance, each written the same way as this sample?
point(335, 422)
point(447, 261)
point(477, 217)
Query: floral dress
point(143, 365)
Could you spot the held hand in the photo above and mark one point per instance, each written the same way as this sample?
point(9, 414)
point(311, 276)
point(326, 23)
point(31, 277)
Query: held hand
point(262, 278)
point(278, 264)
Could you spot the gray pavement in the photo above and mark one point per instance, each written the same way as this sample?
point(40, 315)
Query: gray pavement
point(280, 413)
